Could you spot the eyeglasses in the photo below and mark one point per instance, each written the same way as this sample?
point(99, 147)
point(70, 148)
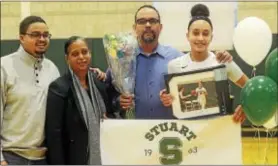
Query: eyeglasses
point(39, 35)
point(143, 21)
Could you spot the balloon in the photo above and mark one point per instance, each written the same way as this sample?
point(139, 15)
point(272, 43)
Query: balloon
point(252, 40)
point(271, 65)
point(273, 122)
point(259, 99)
point(193, 93)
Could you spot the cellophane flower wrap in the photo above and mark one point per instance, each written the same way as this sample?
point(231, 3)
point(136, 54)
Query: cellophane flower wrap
point(121, 50)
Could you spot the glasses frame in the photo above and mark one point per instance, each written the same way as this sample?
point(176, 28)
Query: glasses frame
point(151, 21)
point(33, 35)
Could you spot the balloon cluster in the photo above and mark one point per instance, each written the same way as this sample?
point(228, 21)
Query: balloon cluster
point(252, 41)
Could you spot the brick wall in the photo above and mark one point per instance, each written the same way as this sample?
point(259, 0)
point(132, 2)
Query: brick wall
point(88, 19)
point(94, 19)
point(264, 10)
point(10, 18)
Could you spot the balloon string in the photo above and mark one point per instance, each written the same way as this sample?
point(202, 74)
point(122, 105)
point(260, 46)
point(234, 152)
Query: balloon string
point(271, 135)
point(267, 147)
point(253, 74)
point(257, 133)
point(259, 142)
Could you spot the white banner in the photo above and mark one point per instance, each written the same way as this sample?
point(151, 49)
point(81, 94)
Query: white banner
point(160, 142)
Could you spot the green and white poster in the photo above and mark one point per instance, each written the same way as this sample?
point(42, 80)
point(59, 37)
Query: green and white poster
point(215, 141)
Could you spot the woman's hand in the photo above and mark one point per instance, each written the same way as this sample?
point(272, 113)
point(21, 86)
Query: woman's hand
point(100, 74)
point(223, 57)
point(239, 115)
point(4, 163)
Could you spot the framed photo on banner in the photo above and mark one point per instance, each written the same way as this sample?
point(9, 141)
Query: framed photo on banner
point(200, 93)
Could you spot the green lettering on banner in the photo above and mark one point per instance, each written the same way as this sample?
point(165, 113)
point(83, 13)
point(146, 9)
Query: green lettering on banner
point(170, 148)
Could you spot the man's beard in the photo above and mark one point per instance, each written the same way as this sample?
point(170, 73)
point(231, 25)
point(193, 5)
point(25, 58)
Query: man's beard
point(150, 39)
point(40, 53)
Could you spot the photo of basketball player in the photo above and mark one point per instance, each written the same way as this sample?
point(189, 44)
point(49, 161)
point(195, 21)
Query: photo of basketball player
point(183, 98)
point(201, 93)
point(198, 97)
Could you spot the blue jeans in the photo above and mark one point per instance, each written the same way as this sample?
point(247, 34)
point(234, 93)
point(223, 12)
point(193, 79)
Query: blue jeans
point(14, 159)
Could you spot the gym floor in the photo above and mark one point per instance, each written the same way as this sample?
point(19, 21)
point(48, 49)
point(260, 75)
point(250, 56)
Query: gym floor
point(260, 150)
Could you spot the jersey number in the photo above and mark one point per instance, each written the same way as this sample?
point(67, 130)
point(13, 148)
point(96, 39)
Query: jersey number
point(170, 149)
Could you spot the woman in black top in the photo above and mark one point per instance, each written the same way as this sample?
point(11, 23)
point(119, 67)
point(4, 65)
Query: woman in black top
point(76, 103)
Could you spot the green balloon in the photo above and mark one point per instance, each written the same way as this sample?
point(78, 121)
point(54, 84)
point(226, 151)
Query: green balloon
point(271, 63)
point(259, 99)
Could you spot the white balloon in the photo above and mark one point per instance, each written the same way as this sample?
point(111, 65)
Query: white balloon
point(273, 122)
point(252, 40)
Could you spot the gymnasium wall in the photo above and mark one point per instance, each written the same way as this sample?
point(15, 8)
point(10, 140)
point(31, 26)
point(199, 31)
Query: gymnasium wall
point(94, 19)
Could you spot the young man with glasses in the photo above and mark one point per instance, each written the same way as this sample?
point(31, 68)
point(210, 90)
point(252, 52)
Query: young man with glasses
point(25, 77)
point(152, 62)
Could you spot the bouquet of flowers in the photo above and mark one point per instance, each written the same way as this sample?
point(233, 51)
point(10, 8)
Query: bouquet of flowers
point(121, 52)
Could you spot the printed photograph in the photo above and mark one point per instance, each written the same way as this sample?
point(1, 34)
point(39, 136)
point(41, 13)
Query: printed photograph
point(200, 93)
point(198, 96)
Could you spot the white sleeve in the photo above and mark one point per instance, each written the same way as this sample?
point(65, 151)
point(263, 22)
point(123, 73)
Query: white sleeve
point(234, 72)
point(56, 73)
point(171, 66)
point(197, 90)
point(174, 65)
point(3, 89)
